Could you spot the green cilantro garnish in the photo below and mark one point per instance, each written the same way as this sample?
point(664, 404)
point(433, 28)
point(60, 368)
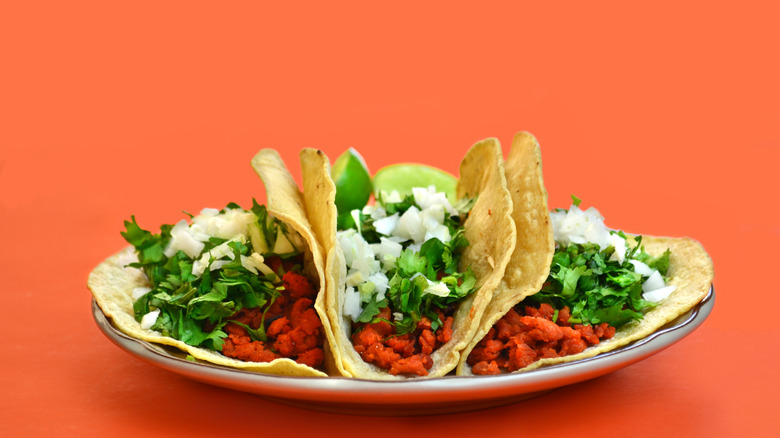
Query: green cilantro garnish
point(435, 261)
point(595, 287)
point(194, 309)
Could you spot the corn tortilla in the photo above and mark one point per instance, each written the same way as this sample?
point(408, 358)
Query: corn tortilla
point(530, 261)
point(319, 196)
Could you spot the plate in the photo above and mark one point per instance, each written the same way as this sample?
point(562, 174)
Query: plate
point(414, 397)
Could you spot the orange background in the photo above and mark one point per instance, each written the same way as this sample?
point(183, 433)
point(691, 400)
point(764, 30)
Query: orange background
point(663, 116)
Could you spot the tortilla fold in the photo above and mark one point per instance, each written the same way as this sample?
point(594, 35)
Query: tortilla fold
point(530, 261)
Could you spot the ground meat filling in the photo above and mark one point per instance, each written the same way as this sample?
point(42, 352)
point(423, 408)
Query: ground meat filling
point(292, 327)
point(409, 353)
point(517, 341)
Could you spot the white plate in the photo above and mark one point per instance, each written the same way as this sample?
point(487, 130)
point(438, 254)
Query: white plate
point(414, 397)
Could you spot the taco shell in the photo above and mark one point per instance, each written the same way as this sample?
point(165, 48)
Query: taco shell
point(319, 197)
point(112, 282)
point(491, 237)
point(530, 261)
point(690, 267)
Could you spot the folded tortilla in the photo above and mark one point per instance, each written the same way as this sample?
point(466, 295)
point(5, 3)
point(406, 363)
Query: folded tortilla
point(690, 268)
point(112, 282)
point(491, 235)
point(530, 261)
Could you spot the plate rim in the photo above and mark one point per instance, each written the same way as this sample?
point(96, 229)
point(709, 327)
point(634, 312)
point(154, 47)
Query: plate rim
point(315, 392)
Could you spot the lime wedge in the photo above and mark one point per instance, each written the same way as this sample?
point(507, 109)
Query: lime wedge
point(353, 182)
point(403, 177)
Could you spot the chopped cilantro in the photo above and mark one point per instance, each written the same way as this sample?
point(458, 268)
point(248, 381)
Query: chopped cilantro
point(595, 287)
point(410, 276)
point(195, 308)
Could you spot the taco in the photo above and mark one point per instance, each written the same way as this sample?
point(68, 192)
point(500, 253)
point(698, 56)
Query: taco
point(409, 278)
point(602, 289)
point(233, 287)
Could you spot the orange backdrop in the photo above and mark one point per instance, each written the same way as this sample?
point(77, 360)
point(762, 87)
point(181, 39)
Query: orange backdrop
point(662, 115)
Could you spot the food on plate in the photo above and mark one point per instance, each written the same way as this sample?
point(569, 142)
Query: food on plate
point(434, 274)
point(604, 290)
point(400, 302)
point(235, 287)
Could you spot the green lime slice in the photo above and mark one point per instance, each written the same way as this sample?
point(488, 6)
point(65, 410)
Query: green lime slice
point(353, 182)
point(403, 177)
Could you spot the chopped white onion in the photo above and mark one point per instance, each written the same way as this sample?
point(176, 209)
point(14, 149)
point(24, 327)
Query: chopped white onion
point(428, 197)
point(222, 250)
point(253, 262)
point(620, 247)
point(216, 264)
point(228, 225)
point(396, 239)
point(437, 288)
point(149, 319)
point(641, 268)
point(410, 226)
point(233, 224)
point(351, 306)
point(207, 213)
point(415, 247)
point(428, 220)
point(380, 282)
point(659, 294)
point(440, 232)
point(200, 265)
point(386, 225)
point(138, 292)
point(578, 226)
point(375, 211)
point(367, 264)
point(655, 282)
point(389, 247)
point(183, 240)
point(391, 198)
